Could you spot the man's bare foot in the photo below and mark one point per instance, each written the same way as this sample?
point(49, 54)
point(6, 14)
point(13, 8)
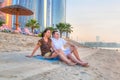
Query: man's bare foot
point(85, 64)
point(71, 63)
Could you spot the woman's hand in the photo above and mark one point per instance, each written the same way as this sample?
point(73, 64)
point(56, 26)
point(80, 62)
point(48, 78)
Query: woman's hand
point(29, 56)
point(35, 49)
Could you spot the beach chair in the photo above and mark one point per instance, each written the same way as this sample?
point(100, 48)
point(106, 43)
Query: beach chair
point(36, 31)
point(1, 28)
point(17, 31)
point(5, 28)
point(26, 31)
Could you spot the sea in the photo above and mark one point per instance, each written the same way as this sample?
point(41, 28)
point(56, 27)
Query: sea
point(117, 49)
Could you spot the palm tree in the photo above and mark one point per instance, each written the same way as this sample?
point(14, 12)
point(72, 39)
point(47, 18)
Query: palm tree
point(61, 27)
point(52, 28)
point(64, 27)
point(68, 29)
point(33, 24)
point(2, 22)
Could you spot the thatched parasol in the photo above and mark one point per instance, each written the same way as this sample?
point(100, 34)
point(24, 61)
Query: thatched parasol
point(16, 10)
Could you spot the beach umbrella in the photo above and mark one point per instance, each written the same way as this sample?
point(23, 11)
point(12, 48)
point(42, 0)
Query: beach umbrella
point(16, 10)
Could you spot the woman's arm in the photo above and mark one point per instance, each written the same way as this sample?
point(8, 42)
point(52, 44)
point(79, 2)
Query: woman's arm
point(35, 49)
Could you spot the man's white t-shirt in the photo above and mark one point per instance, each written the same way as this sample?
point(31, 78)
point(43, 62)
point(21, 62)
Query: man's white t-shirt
point(59, 44)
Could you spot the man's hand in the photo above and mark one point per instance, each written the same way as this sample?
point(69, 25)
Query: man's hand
point(56, 51)
point(72, 45)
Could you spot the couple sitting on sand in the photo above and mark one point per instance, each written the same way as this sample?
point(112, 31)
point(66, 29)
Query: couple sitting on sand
point(58, 47)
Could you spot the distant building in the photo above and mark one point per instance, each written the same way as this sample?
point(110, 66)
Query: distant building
point(97, 38)
point(101, 44)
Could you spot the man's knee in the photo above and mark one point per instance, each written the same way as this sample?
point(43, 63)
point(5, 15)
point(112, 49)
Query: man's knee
point(74, 47)
point(58, 51)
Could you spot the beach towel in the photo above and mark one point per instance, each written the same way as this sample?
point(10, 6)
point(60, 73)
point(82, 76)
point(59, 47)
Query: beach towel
point(41, 58)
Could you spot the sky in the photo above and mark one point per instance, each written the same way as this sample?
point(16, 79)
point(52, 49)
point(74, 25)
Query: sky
point(91, 18)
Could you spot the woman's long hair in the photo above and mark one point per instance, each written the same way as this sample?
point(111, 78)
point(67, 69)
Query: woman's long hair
point(43, 33)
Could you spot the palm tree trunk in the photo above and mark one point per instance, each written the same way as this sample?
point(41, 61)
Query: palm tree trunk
point(32, 30)
point(60, 34)
point(67, 35)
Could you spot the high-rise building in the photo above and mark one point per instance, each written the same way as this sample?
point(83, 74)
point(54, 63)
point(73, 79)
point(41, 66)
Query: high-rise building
point(39, 9)
point(1, 14)
point(58, 11)
point(42, 14)
point(49, 13)
point(28, 4)
point(6, 17)
point(46, 12)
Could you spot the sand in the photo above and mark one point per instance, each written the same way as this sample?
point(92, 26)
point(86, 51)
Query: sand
point(104, 64)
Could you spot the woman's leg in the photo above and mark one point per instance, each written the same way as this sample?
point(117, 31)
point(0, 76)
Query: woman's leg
point(54, 55)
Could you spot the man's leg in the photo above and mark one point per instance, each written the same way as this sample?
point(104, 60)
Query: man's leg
point(63, 57)
point(76, 60)
point(53, 55)
point(75, 52)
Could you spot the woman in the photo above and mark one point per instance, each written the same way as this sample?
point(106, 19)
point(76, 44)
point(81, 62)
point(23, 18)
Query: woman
point(47, 48)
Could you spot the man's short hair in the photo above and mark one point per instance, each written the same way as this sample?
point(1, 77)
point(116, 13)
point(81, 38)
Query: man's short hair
point(54, 32)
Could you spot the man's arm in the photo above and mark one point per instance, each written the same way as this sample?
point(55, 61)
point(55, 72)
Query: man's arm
point(53, 47)
point(72, 45)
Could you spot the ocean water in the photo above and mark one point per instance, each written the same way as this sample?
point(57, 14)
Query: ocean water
point(118, 49)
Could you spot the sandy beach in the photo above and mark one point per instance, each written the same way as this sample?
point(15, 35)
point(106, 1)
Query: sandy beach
point(104, 64)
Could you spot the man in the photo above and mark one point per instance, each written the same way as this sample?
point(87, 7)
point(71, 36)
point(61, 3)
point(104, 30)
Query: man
point(67, 48)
